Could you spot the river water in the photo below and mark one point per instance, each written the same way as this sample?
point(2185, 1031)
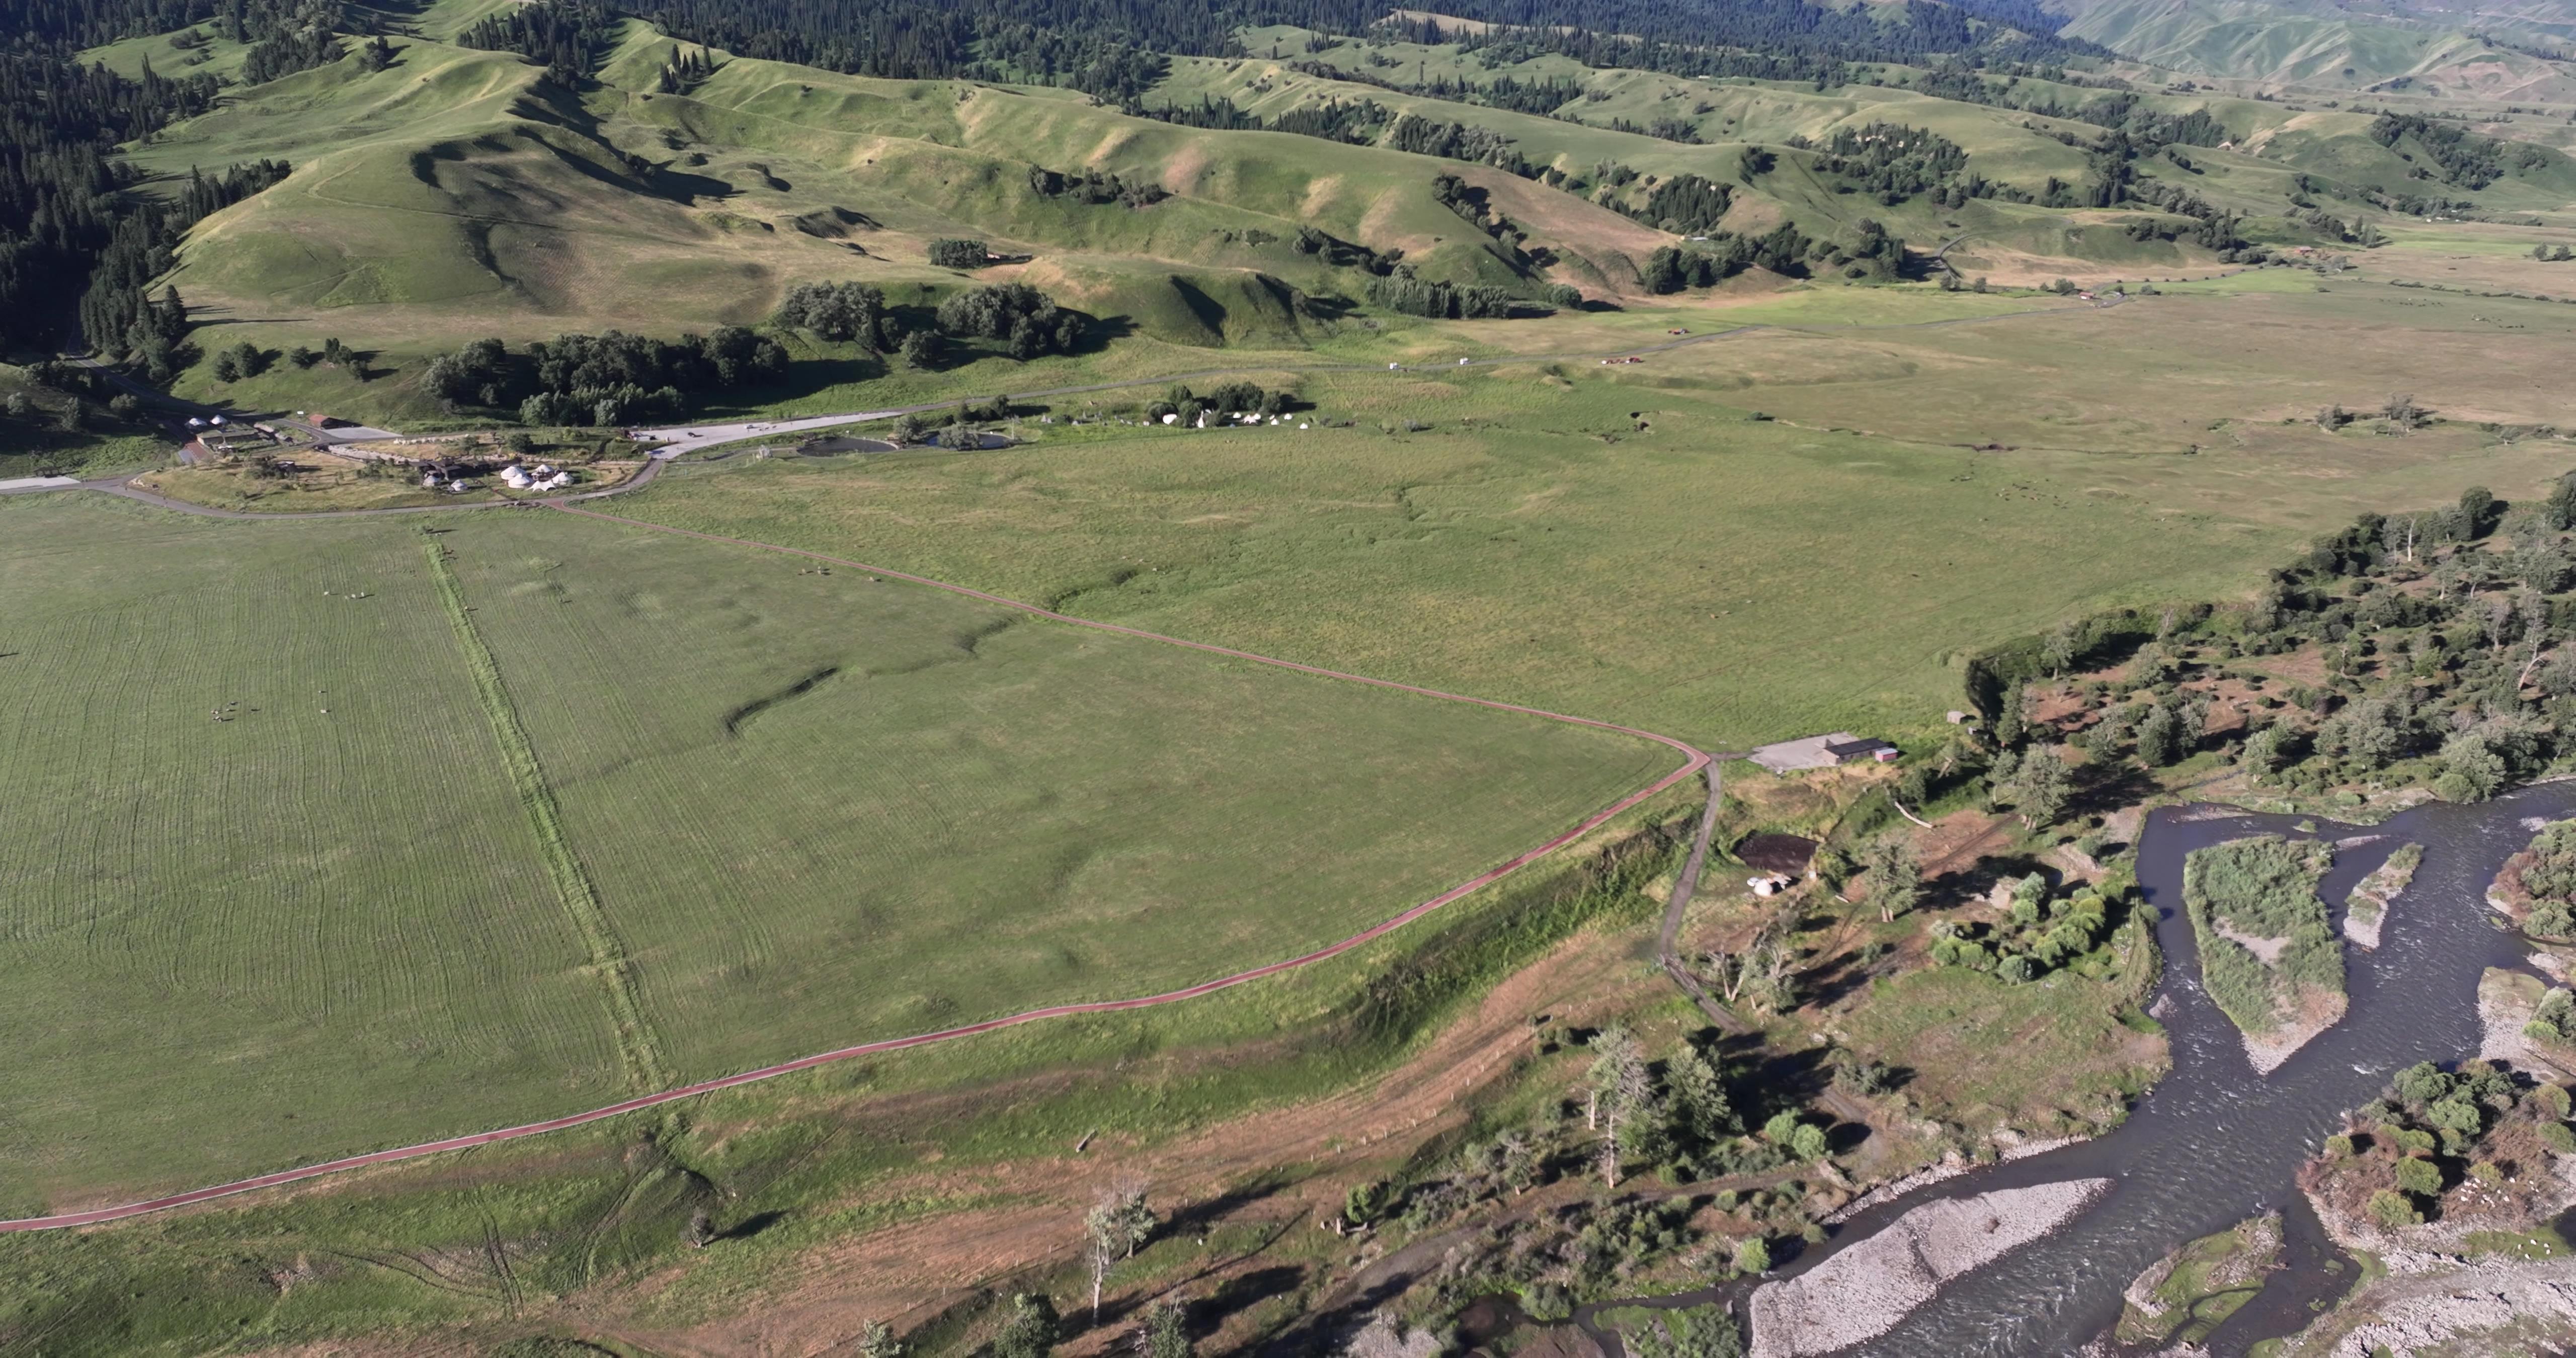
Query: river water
point(2215, 1143)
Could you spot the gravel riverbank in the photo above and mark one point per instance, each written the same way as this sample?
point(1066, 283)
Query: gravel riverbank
point(1865, 1290)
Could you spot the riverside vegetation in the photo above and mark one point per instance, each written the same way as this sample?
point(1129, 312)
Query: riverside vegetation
point(2269, 956)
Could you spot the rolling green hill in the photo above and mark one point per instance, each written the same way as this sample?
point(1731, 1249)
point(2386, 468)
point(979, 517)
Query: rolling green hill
point(456, 193)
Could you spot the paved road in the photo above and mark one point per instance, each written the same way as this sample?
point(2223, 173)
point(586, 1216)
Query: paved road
point(689, 438)
point(679, 440)
point(1692, 762)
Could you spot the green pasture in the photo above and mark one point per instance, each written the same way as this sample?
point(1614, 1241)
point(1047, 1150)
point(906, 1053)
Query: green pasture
point(1636, 543)
point(287, 890)
point(1725, 579)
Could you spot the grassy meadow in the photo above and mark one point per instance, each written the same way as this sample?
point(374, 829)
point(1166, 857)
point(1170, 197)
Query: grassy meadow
point(1743, 540)
point(290, 892)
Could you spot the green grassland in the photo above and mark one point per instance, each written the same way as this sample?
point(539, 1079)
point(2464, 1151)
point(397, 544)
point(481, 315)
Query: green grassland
point(561, 1237)
point(285, 903)
point(2197, 1287)
point(1632, 543)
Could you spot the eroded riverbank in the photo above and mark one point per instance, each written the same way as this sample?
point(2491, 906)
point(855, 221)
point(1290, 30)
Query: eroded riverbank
point(2217, 1141)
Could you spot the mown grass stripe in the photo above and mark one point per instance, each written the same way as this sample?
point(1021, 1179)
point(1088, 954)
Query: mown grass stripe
point(636, 1043)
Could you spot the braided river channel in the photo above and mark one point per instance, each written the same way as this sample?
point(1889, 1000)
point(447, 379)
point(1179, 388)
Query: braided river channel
point(2215, 1142)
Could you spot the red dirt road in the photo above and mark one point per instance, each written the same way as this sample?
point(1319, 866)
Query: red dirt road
point(1693, 761)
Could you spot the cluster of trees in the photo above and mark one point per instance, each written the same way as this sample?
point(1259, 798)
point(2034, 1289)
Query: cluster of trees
point(2443, 652)
point(610, 379)
point(1233, 398)
point(116, 316)
point(2547, 870)
point(1415, 296)
point(2041, 935)
point(1671, 268)
point(286, 40)
point(685, 70)
point(841, 313)
point(2262, 887)
point(1685, 205)
point(2216, 229)
point(953, 252)
point(63, 198)
point(2431, 1130)
point(1097, 190)
point(2460, 158)
point(1342, 254)
point(1677, 1116)
point(1027, 321)
point(1456, 141)
point(1892, 162)
point(564, 36)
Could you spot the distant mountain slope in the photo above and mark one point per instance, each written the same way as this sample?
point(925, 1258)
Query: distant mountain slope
point(2322, 46)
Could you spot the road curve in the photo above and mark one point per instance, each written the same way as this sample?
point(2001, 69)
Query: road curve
point(1684, 887)
point(1692, 762)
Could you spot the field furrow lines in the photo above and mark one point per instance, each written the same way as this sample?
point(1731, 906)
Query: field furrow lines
point(609, 961)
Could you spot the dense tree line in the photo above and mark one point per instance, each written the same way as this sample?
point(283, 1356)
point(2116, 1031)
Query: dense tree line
point(115, 316)
point(2443, 636)
point(564, 36)
point(1361, 122)
point(1097, 189)
point(610, 379)
point(65, 201)
point(1110, 47)
point(1760, 38)
point(1403, 291)
point(2460, 158)
point(1889, 161)
point(1703, 264)
point(1025, 320)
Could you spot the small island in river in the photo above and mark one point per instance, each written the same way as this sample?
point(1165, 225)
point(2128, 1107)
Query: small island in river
point(2365, 909)
point(2268, 955)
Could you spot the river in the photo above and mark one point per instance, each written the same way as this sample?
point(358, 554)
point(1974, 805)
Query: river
point(2214, 1142)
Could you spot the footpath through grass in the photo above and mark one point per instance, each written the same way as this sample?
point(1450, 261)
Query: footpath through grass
point(279, 895)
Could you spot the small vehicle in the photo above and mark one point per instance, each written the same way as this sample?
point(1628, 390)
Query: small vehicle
point(1394, 367)
point(1465, 361)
